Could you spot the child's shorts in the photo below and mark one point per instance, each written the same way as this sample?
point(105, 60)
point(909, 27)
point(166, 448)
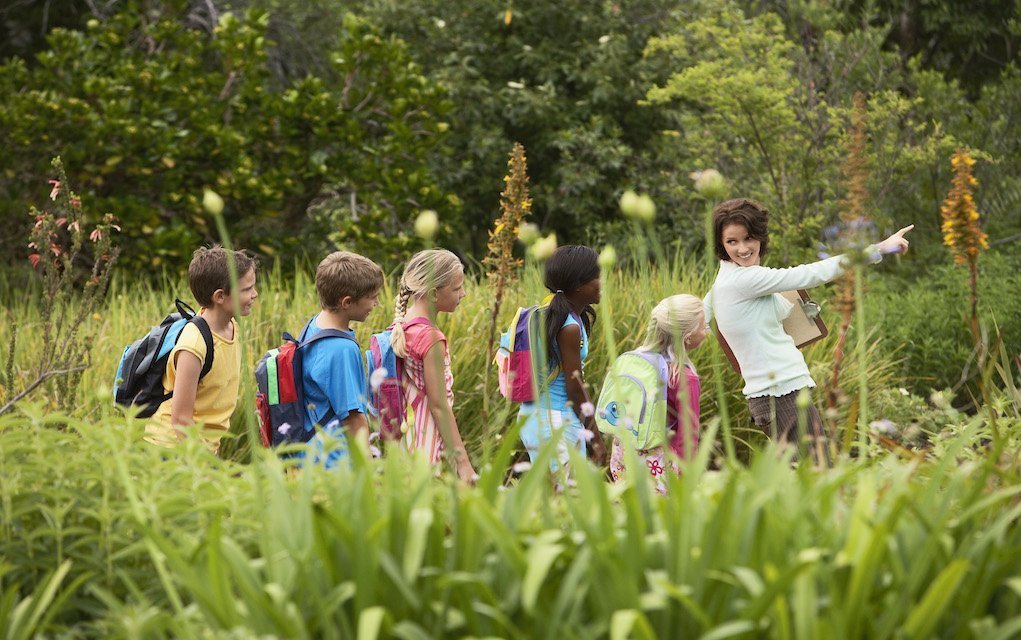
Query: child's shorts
point(538, 427)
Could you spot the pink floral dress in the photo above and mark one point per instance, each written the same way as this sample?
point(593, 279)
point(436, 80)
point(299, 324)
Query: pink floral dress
point(419, 429)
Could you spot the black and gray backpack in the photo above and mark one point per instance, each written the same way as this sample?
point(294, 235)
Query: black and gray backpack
point(139, 379)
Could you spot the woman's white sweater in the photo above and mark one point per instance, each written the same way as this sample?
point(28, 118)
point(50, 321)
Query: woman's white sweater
point(749, 313)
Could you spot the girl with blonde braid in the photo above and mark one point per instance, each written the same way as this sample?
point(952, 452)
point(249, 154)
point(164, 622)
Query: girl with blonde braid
point(433, 282)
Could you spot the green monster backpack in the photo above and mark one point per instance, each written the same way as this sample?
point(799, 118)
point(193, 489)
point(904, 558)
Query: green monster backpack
point(633, 402)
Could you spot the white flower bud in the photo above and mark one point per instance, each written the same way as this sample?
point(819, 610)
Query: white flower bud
point(544, 248)
point(607, 257)
point(426, 224)
point(710, 183)
point(212, 202)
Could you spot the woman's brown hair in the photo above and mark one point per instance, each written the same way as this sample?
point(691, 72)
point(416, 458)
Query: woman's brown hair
point(748, 213)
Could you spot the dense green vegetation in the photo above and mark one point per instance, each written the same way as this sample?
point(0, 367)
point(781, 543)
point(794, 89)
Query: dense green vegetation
point(339, 129)
point(329, 124)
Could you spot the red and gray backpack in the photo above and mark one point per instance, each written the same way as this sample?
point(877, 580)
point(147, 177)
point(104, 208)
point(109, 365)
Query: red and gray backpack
point(387, 402)
point(279, 398)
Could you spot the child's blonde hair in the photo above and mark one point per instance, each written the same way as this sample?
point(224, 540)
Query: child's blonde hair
point(426, 271)
point(673, 320)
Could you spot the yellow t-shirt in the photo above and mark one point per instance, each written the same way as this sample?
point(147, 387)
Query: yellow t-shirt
point(217, 393)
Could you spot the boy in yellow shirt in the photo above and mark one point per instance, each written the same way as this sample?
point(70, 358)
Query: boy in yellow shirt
point(210, 400)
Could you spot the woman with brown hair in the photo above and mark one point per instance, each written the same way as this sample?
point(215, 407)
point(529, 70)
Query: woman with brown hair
point(749, 313)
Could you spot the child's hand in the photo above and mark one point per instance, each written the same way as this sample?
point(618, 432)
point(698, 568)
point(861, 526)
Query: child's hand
point(466, 472)
point(598, 450)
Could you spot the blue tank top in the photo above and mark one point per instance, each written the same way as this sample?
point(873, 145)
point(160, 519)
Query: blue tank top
point(558, 388)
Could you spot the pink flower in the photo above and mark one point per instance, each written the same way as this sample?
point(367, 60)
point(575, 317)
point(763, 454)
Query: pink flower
point(587, 435)
point(76, 202)
point(55, 190)
point(74, 226)
point(587, 409)
point(284, 428)
point(34, 259)
point(376, 378)
point(96, 235)
point(61, 222)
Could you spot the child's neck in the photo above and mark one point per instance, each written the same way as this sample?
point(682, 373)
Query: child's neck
point(219, 321)
point(421, 309)
point(334, 320)
point(576, 306)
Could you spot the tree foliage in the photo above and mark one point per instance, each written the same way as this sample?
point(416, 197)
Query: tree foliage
point(321, 128)
point(148, 111)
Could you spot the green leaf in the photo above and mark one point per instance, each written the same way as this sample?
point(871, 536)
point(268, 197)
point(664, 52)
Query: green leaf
point(370, 622)
point(924, 616)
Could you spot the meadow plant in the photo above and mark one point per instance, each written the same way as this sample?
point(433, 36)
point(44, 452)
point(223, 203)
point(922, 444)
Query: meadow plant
point(500, 262)
point(853, 216)
point(711, 186)
point(74, 265)
point(962, 231)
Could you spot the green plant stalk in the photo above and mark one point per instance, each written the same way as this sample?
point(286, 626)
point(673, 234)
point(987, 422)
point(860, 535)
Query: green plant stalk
point(716, 362)
point(249, 414)
point(863, 383)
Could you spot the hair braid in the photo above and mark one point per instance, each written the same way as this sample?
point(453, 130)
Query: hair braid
point(397, 338)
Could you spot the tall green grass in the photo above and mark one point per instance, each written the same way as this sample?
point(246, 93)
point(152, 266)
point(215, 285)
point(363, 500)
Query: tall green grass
point(286, 302)
point(103, 536)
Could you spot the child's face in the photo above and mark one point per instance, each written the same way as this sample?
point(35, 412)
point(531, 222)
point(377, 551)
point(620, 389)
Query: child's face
point(246, 295)
point(360, 309)
point(449, 296)
point(590, 292)
point(696, 337)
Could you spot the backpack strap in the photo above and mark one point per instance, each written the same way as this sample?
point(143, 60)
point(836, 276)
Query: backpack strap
point(324, 333)
point(185, 310)
point(321, 335)
point(207, 337)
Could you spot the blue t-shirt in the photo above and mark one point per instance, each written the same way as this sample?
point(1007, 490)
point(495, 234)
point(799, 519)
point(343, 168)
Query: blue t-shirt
point(558, 388)
point(333, 378)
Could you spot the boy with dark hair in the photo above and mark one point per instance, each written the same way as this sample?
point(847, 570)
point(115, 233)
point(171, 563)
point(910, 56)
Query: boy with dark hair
point(333, 376)
point(209, 399)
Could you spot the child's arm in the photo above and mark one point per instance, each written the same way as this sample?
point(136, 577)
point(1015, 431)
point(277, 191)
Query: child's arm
point(186, 384)
point(569, 343)
point(357, 426)
point(439, 408)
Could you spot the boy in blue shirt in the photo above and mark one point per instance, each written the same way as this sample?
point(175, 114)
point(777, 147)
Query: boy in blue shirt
point(333, 375)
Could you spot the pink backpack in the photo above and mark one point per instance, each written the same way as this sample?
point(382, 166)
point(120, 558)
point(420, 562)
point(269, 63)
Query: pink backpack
point(515, 359)
point(387, 402)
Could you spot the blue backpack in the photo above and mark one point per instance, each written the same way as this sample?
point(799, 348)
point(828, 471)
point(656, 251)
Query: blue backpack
point(139, 378)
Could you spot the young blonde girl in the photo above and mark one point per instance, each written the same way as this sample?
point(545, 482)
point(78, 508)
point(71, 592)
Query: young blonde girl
point(433, 282)
point(677, 326)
